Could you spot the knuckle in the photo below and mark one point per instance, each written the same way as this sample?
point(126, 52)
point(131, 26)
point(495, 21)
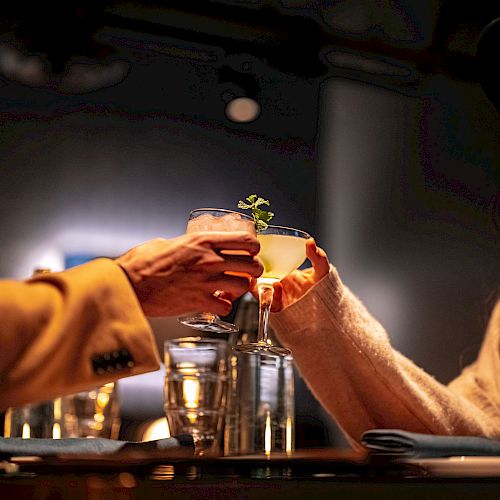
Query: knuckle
point(258, 267)
point(200, 238)
point(250, 239)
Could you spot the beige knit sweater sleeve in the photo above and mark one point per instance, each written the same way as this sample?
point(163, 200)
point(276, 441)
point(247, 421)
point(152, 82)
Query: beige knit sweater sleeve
point(347, 360)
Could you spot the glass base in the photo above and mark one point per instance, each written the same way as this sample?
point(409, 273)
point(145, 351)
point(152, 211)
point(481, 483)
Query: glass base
point(208, 322)
point(262, 348)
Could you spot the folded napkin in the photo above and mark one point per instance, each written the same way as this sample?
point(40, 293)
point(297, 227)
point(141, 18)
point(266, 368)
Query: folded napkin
point(10, 447)
point(411, 444)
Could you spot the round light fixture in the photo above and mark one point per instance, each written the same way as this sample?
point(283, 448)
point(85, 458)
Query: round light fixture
point(242, 110)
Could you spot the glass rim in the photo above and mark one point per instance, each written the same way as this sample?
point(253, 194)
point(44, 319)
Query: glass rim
point(305, 233)
point(225, 210)
point(194, 340)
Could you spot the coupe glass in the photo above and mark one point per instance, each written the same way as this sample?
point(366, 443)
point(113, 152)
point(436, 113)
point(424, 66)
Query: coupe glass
point(216, 219)
point(282, 250)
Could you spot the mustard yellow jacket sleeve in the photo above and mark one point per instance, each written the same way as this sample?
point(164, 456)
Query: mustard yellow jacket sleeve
point(65, 332)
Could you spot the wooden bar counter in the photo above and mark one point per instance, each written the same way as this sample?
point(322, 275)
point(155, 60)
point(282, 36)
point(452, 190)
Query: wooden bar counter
point(309, 474)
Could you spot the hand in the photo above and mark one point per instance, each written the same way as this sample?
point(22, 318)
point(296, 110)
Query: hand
point(178, 276)
point(296, 284)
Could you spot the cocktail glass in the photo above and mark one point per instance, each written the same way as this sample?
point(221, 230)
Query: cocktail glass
point(282, 250)
point(216, 219)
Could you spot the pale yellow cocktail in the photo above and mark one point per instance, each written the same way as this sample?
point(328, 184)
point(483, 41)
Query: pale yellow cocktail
point(280, 254)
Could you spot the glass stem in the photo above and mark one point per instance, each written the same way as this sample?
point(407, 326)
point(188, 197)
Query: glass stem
point(266, 292)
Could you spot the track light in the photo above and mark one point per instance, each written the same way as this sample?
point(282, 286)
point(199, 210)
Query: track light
point(239, 94)
point(242, 109)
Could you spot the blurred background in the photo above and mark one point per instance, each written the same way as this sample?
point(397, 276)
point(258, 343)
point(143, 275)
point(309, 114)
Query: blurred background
point(365, 123)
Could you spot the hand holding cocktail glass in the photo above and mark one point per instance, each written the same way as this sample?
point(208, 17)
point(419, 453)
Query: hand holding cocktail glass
point(282, 250)
point(172, 277)
point(294, 286)
point(233, 280)
point(288, 290)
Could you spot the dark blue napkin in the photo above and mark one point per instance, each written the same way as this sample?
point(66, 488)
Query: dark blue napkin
point(411, 444)
point(10, 447)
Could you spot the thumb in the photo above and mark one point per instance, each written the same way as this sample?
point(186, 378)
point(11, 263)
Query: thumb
point(277, 304)
point(318, 258)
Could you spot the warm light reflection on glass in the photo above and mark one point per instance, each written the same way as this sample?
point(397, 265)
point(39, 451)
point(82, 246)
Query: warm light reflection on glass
point(191, 392)
point(57, 408)
point(192, 473)
point(127, 480)
point(192, 416)
point(234, 368)
point(156, 430)
point(289, 436)
point(99, 417)
point(7, 424)
point(163, 473)
point(267, 434)
point(186, 364)
point(102, 399)
point(26, 431)
point(56, 431)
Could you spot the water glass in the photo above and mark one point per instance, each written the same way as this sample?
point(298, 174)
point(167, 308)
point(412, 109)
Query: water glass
point(54, 419)
point(92, 413)
point(195, 389)
point(260, 417)
point(97, 412)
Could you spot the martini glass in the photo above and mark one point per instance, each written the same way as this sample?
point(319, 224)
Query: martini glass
point(216, 219)
point(282, 250)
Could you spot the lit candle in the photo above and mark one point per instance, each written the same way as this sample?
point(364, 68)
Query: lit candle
point(267, 434)
point(26, 431)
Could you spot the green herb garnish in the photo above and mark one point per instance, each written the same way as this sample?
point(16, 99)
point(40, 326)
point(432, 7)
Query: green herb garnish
point(260, 217)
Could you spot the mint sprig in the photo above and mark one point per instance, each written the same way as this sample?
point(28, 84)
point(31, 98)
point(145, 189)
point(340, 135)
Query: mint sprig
point(260, 217)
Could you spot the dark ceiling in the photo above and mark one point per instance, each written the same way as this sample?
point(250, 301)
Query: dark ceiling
point(310, 39)
point(278, 51)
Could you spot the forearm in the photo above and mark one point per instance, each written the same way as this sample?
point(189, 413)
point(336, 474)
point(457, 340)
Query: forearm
point(345, 357)
point(55, 326)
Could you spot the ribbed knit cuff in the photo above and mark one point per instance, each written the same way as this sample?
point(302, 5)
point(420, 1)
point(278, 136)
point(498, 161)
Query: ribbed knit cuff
point(322, 300)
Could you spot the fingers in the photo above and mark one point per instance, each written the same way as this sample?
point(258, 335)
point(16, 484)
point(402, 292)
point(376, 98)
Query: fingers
point(277, 304)
point(253, 288)
point(233, 286)
point(237, 240)
point(219, 305)
point(318, 258)
point(244, 264)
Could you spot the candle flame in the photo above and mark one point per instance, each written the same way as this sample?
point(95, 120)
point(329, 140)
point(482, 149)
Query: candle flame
point(267, 435)
point(57, 408)
point(26, 431)
point(191, 393)
point(289, 436)
point(56, 431)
